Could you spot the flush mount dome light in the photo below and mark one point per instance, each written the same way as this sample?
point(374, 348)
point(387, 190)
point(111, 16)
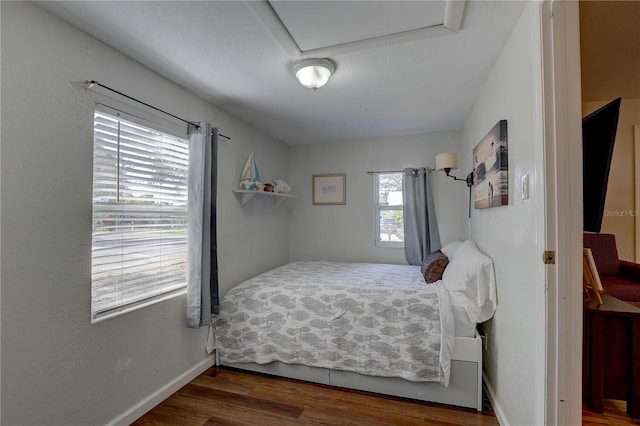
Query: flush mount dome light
point(313, 73)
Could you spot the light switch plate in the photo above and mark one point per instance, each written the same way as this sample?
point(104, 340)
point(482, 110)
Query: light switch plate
point(525, 187)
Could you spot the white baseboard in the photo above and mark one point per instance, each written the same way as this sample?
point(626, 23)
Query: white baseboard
point(144, 406)
point(497, 409)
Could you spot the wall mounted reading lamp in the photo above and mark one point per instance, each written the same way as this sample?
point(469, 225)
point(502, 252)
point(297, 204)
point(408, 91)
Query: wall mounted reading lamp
point(449, 161)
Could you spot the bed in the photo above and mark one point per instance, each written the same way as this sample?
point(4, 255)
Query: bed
point(373, 327)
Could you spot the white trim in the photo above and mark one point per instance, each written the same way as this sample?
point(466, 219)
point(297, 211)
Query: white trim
point(272, 22)
point(145, 405)
point(112, 312)
point(452, 22)
point(539, 199)
point(377, 42)
point(378, 209)
point(388, 244)
point(495, 404)
point(549, 234)
point(563, 175)
point(453, 12)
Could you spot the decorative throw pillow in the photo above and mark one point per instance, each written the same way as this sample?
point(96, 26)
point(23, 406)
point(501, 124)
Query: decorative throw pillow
point(433, 266)
point(430, 258)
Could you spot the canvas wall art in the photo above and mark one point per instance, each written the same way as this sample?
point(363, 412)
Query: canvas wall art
point(491, 169)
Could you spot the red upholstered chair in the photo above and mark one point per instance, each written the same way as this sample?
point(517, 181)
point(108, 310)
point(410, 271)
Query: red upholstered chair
point(620, 279)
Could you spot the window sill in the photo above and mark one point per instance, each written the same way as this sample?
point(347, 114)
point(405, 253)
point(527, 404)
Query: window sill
point(388, 244)
point(117, 311)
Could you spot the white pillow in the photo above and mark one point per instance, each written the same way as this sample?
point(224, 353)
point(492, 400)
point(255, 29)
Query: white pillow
point(450, 248)
point(471, 281)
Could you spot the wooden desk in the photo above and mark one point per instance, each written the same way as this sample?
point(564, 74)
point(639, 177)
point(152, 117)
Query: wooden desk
point(611, 354)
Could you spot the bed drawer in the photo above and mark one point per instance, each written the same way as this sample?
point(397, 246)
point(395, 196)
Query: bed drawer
point(462, 390)
point(295, 371)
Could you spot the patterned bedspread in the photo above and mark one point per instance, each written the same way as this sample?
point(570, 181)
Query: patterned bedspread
point(374, 319)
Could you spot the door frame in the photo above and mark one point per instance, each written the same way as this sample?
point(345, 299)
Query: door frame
point(562, 114)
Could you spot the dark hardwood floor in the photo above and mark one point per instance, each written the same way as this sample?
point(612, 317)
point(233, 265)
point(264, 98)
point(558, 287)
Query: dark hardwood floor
point(615, 414)
point(230, 397)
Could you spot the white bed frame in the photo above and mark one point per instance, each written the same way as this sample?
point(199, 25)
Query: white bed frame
point(464, 390)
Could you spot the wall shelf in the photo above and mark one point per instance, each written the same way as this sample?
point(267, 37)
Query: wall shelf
point(246, 195)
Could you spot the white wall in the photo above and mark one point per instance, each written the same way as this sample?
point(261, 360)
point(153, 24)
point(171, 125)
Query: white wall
point(346, 232)
point(56, 367)
point(508, 234)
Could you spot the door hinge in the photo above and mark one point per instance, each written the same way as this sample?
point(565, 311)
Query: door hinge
point(549, 257)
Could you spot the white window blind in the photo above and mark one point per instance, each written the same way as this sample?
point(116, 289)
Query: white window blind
point(139, 244)
point(389, 227)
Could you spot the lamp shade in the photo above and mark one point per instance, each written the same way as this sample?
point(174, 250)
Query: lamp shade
point(447, 160)
point(313, 73)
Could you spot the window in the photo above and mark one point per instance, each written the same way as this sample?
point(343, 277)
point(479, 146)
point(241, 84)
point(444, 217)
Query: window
point(139, 237)
point(389, 227)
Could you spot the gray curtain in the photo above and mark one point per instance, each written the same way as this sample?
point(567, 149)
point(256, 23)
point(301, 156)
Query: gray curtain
point(202, 274)
point(421, 235)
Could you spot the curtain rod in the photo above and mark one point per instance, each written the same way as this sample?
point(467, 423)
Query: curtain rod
point(91, 83)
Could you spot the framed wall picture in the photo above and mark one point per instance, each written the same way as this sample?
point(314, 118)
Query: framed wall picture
point(491, 169)
point(329, 189)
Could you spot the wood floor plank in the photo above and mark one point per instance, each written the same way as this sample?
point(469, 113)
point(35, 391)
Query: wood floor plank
point(224, 410)
point(339, 407)
point(373, 408)
point(359, 402)
point(221, 421)
point(322, 395)
point(624, 422)
point(595, 420)
point(166, 415)
point(224, 397)
point(222, 383)
point(318, 416)
point(438, 415)
point(614, 414)
point(231, 398)
point(255, 403)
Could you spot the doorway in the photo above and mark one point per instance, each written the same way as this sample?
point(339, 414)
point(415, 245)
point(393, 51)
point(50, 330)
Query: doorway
point(610, 65)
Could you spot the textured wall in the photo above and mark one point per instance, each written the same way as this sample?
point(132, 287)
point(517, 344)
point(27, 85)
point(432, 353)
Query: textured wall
point(56, 367)
point(508, 234)
point(346, 232)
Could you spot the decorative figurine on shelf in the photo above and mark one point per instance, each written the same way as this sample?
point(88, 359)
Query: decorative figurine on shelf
point(268, 187)
point(250, 177)
point(281, 186)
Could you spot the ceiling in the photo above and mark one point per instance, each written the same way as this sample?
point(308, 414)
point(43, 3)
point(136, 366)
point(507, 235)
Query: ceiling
point(401, 66)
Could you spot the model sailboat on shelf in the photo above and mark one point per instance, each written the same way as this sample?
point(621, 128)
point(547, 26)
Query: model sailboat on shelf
point(250, 177)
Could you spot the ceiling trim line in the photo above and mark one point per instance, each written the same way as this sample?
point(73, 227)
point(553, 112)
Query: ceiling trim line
point(276, 27)
point(380, 41)
point(453, 14)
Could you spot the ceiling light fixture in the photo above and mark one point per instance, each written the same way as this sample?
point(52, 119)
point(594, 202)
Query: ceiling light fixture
point(313, 73)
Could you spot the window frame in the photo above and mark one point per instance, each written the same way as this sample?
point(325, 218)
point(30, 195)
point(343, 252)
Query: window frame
point(378, 208)
point(101, 311)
